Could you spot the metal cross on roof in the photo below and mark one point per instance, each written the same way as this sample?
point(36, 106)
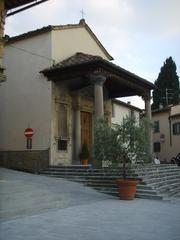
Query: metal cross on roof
point(83, 13)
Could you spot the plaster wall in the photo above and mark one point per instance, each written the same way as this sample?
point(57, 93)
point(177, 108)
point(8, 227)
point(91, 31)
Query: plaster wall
point(163, 129)
point(25, 99)
point(170, 146)
point(175, 139)
point(120, 112)
point(67, 42)
point(175, 110)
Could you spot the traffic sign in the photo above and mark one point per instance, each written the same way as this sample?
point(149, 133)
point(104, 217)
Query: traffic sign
point(28, 132)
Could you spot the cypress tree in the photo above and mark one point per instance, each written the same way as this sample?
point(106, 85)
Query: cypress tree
point(167, 83)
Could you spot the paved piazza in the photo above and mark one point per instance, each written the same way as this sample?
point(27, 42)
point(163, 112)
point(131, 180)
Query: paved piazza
point(36, 207)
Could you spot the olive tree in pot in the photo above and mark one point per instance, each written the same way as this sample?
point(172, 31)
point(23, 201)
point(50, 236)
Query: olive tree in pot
point(121, 146)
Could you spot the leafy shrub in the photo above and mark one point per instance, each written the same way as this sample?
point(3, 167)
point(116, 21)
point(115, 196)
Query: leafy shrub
point(121, 144)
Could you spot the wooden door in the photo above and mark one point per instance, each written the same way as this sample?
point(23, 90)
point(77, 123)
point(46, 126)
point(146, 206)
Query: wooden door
point(86, 129)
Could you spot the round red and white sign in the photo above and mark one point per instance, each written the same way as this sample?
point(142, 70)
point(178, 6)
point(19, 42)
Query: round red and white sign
point(28, 132)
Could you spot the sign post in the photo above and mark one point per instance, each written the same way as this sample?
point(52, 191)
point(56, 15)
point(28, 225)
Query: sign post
point(28, 132)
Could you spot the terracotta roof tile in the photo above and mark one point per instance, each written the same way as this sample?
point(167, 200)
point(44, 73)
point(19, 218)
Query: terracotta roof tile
point(76, 59)
point(80, 58)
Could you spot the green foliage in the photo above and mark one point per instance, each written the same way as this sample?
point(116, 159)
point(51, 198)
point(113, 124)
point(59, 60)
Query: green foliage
point(84, 154)
point(125, 143)
point(168, 89)
point(104, 143)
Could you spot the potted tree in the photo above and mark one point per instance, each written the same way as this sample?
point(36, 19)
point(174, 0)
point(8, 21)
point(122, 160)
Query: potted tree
point(84, 154)
point(121, 146)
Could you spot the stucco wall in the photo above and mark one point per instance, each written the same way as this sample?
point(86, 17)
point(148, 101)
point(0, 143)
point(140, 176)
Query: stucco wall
point(120, 112)
point(163, 129)
point(69, 41)
point(25, 99)
point(170, 147)
point(175, 139)
point(28, 99)
point(175, 147)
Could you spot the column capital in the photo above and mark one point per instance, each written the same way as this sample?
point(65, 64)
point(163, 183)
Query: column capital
point(146, 96)
point(98, 79)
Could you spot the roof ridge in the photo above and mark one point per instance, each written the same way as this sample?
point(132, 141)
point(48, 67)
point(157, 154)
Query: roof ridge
point(81, 24)
point(41, 30)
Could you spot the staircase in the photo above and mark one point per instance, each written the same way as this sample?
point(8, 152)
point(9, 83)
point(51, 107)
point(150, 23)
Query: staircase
point(157, 181)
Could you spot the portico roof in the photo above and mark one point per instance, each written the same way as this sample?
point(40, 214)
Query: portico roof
point(119, 82)
point(10, 4)
point(20, 5)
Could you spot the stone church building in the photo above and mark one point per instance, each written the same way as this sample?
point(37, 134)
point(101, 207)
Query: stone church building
point(60, 81)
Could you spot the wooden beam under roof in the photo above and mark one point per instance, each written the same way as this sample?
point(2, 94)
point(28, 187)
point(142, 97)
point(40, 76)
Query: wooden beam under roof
point(21, 5)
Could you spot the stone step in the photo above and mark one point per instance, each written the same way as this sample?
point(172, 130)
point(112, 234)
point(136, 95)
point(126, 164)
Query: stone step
point(75, 166)
point(115, 190)
point(157, 171)
point(176, 192)
point(156, 175)
point(87, 177)
point(112, 184)
point(151, 166)
point(156, 182)
point(137, 195)
point(89, 171)
point(166, 187)
point(161, 179)
point(148, 196)
point(163, 182)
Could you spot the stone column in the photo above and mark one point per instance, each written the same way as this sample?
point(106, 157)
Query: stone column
point(77, 127)
point(2, 23)
point(98, 96)
point(147, 99)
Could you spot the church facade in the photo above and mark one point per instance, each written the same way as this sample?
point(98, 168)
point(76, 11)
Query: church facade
point(60, 82)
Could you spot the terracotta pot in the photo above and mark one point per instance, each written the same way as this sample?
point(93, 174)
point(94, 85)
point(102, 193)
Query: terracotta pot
point(126, 188)
point(84, 161)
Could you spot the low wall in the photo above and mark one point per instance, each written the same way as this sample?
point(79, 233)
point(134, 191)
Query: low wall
point(30, 161)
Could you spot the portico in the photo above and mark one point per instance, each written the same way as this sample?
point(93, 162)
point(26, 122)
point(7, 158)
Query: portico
point(91, 82)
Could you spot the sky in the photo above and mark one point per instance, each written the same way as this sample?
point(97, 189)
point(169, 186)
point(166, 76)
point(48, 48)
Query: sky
point(139, 34)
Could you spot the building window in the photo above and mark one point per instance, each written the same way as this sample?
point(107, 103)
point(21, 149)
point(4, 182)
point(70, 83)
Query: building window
point(62, 144)
point(157, 147)
point(176, 128)
point(156, 127)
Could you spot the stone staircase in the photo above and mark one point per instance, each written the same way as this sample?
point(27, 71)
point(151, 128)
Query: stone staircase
point(156, 181)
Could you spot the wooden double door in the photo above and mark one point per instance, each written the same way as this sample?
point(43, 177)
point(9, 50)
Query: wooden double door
point(86, 130)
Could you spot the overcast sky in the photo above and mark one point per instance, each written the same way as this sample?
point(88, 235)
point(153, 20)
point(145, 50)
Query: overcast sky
point(139, 34)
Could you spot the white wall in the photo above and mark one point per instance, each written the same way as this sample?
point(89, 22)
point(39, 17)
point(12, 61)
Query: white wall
point(67, 42)
point(25, 99)
point(120, 112)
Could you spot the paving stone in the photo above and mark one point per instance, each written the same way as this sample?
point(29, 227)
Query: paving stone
point(84, 213)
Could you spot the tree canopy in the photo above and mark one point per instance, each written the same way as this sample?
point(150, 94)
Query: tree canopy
point(167, 83)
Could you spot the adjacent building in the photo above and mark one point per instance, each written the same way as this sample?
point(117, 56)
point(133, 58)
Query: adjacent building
point(14, 6)
point(121, 110)
point(166, 136)
point(60, 82)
